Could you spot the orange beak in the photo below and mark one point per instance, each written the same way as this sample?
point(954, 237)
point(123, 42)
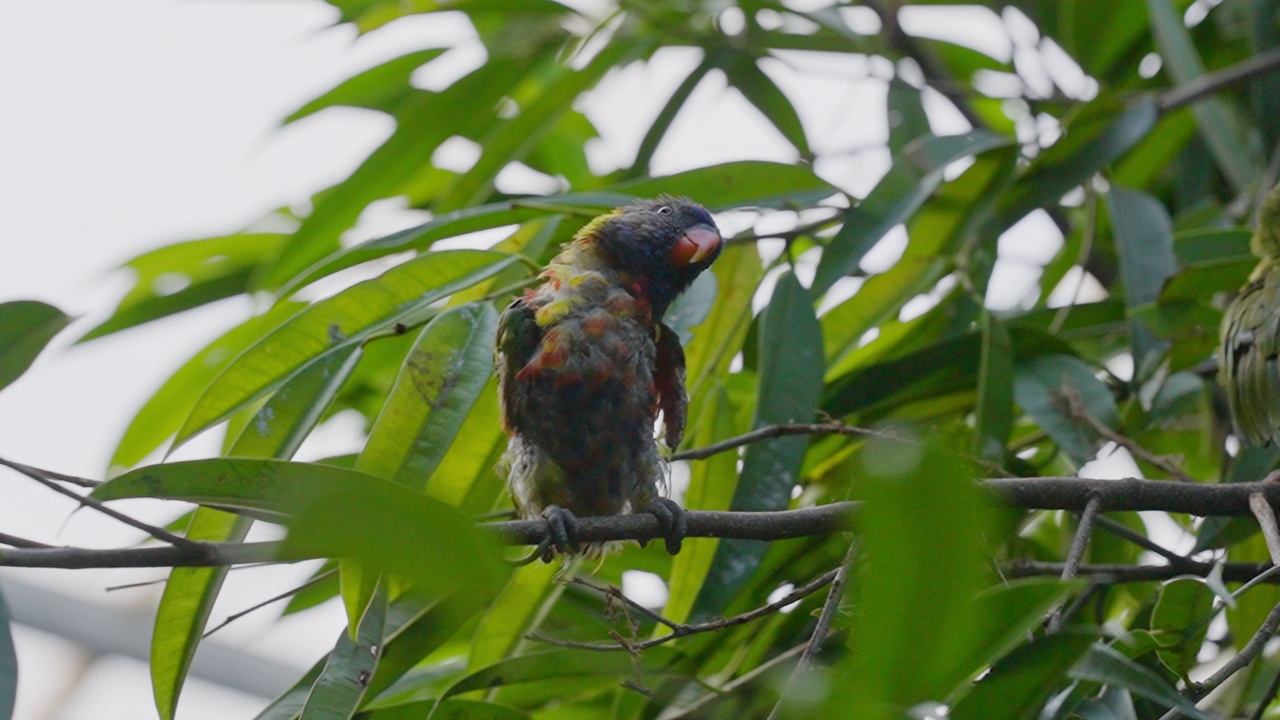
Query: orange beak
point(697, 243)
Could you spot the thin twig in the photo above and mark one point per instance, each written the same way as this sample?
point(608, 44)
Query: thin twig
point(681, 630)
point(1211, 83)
point(1115, 574)
point(1077, 409)
point(286, 594)
point(1266, 516)
point(692, 708)
point(1237, 663)
point(751, 236)
point(1121, 530)
point(610, 591)
point(820, 631)
point(770, 432)
point(158, 533)
point(50, 475)
point(1270, 695)
point(20, 542)
point(1075, 555)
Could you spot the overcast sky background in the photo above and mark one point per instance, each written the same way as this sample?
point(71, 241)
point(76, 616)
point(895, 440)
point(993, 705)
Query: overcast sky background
point(131, 124)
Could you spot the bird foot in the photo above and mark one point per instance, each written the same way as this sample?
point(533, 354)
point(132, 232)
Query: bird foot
point(562, 533)
point(673, 520)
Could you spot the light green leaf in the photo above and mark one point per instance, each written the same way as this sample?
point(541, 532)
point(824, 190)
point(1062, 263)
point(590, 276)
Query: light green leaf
point(441, 379)
point(760, 90)
point(189, 274)
point(528, 596)
point(164, 412)
point(26, 326)
point(399, 295)
point(451, 709)
point(1144, 243)
point(381, 87)
point(565, 664)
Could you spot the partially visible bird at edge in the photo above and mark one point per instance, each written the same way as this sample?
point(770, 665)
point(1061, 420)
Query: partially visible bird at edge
point(585, 363)
point(1248, 365)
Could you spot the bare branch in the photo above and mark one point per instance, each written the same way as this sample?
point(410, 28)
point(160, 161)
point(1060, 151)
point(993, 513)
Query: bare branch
point(158, 533)
point(769, 432)
point(204, 555)
point(820, 631)
point(1077, 409)
point(1114, 574)
point(1266, 516)
point(1237, 663)
point(1211, 83)
point(679, 630)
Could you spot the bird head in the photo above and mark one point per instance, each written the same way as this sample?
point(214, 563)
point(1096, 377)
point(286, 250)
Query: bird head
point(663, 244)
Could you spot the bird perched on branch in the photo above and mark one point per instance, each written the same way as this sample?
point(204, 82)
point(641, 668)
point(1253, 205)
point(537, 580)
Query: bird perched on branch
point(1249, 370)
point(585, 364)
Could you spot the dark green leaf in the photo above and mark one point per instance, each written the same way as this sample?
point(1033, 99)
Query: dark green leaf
point(8, 664)
point(1041, 385)
point(760, 90)
point(451, 709)
point(790, 386)
point(341, 686)
point(1018, 686)
point(1181, 619)
point(994, 411)
point(1144, 243)
point(1106, 665)
point(26, 326)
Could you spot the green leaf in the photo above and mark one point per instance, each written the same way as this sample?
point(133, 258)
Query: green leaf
point(189, 274)
point(994, 411)
point(899, 194)
point(1095, 138)
point(8, 664)
point(1039, 384)
point(441, 379)
point(1144, 243)
point(276, 430)
point(759, 89)
point(451, 709)
point(789, 390)
point(1220, 126)
point(906, 114)
point(189, 595)
point(386, 528)
point(1105, 664)
point(526, 598)
point(348, 318)
point(513, 139)
point(566, 664)
point(26, 326)
point(341, 686)
point(164, 412)
point(937, 232)
point(1181, 619)
point(423, 122)
point(381, 87)
point(1018, 686)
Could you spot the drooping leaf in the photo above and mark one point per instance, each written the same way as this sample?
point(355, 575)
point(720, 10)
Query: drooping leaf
point(26, 326)
point(1105, 664)
point(185, 275)
point(1043, 387)
point(1018, 686)
point(341, 686)
point(1181, 619)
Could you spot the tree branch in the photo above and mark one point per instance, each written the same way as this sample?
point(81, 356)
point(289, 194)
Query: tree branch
point(1114, 574)
point(1211, 83)
point(775, 431)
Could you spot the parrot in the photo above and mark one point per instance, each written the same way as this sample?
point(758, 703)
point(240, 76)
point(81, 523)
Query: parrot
point(1250, 339)
point(585, 363)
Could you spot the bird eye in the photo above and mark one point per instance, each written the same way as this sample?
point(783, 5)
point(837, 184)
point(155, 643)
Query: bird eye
point(665, 210)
